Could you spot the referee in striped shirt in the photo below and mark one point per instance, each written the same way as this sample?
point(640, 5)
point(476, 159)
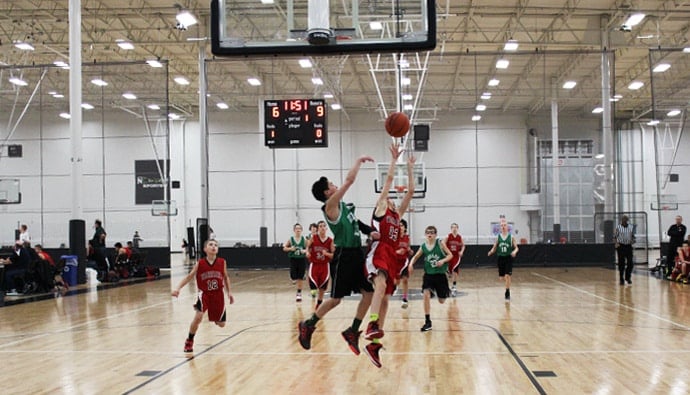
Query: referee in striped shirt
point(624, 236)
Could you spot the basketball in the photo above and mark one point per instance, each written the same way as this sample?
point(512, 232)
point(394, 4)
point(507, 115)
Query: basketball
point(397, 124)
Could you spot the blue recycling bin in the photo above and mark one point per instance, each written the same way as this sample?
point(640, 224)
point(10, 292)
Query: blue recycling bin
point(69, 273)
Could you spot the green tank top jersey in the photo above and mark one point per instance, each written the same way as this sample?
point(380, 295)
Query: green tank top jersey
point(345, 228)
point(301, 245)
point(431, 257)
point(505, 246)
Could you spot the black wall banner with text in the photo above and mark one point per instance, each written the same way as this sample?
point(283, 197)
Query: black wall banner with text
point(149, 185)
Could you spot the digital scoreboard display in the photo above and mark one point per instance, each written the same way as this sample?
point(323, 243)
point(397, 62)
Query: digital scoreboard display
point(295, 123)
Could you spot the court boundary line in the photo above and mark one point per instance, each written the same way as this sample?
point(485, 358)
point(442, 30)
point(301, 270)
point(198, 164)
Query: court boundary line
point(635, 309)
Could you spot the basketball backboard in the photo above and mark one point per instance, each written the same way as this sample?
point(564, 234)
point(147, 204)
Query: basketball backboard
point(162, 208)
point(400, 179)
point(664, 202)
point(9, 191)
point(272, 27)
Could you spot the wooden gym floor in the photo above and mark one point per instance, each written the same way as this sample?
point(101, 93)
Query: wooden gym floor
point(569, 331)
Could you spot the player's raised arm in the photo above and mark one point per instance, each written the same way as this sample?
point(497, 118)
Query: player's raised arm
point(410, 185)
point(382, 202)
point(332, 208)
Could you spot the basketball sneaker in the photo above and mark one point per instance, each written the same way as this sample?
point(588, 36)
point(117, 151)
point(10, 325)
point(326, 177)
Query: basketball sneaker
point(373, 331)
point(189, 345)
point(454, 291)
point(298, 298)
point(507, 294)
point(404, 303)
point(305, 332)
point(426, 327)
point(352, 339)
point(372, 350)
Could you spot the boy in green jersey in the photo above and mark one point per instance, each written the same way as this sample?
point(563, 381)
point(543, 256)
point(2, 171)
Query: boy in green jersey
point(505, 248)
point(436, 257)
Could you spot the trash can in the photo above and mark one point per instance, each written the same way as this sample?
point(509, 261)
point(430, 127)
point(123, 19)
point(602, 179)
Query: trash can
point(69, 273)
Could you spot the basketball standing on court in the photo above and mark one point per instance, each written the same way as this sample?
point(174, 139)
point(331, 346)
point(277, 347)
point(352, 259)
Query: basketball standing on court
point(211, 277)
point(382, 261)
point(507, 248)
point(457, 247)
point(296, 247)
point(348, 259)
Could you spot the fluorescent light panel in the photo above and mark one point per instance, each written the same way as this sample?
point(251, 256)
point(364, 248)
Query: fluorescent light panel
point(569, 84)
point(253, 81)
point(635, 85)
point(405, 81)
point(408, 107)
point(634, 19)
point(154, 63)
point(375, 25)
point(511, 45)
point(494, 82)
point(486, 96)
point(407, 96)
point(65, 115)
point(661, 67)
point(476, 118)
point(317, 81)
point(124, 44)
point(480, 107)
point(327, 95)
point(222, 106)
point(99, 82)
point(502, 64)
point(18, 81)
point(87, 106)
point(336, 106)
point(181, 81)
point(186, 19)
point(266, 1)
point(598, 110)
point(653, 122)
point(305, 63)
point(673, 113)
point(129, 96)
point(24, 46)
point(154, 107)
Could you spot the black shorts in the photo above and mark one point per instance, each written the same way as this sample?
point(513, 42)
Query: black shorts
point(405, 273)
point(298, 267)
point(505, 265)
point(349, 274)
point(437, 284)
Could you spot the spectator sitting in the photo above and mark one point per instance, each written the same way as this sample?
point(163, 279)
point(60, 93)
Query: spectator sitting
point(57, 272)
point(122, 254)
point(680, 271)
point(20, 261)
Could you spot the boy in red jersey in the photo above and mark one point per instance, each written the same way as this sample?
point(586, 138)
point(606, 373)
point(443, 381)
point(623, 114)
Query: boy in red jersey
point(455, 244)
point(320, 249)
point(211, 277)
point(404, 252)
point(382, 262)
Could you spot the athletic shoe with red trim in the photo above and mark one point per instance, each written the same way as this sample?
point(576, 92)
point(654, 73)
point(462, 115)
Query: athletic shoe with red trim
point(189, 345)
point(373, 331)
point(305, 332)
point(352, 339)
point(372, 350)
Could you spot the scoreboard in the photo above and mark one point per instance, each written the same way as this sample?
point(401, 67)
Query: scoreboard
point(295, 123)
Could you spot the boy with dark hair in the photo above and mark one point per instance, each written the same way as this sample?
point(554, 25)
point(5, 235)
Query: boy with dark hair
point(348, 258)
point(296, 247)
point(436, 257)
point(320, 249)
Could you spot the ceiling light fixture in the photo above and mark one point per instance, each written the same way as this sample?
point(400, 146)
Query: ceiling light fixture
point(124, 44)
point(336, 106)
point(486, 96)
point(222, 106)
point(24, 46)
point(129, 96)
point(408, 107)
point(253, 81)
point(494, 82)
point(87, 106)
point(61, 64)
point(58, 96)
point(305, 63)
point(661, 67)
point(635, 85)
point(480, 107)
point(653, 122)
point(99, 82)
point(316, 81)
point(181, 81)
point(154, 107)
point(476, 118)
point(185, 19)
point(686, 50)
point(327, 95)
point(18, 81)
point(65, 115)
point(405, 81)
point(173, 116)
point(266, 1)
point(598, 110)
point(634, 20)
point(502, 64)
point(673, 113)
point(374, 25)
point(511, 45)
point(154, 63)
point(407, 96)
point(569, 84)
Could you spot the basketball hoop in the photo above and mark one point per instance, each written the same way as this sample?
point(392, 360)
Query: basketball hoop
point(399, 188)
point(163, 213)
